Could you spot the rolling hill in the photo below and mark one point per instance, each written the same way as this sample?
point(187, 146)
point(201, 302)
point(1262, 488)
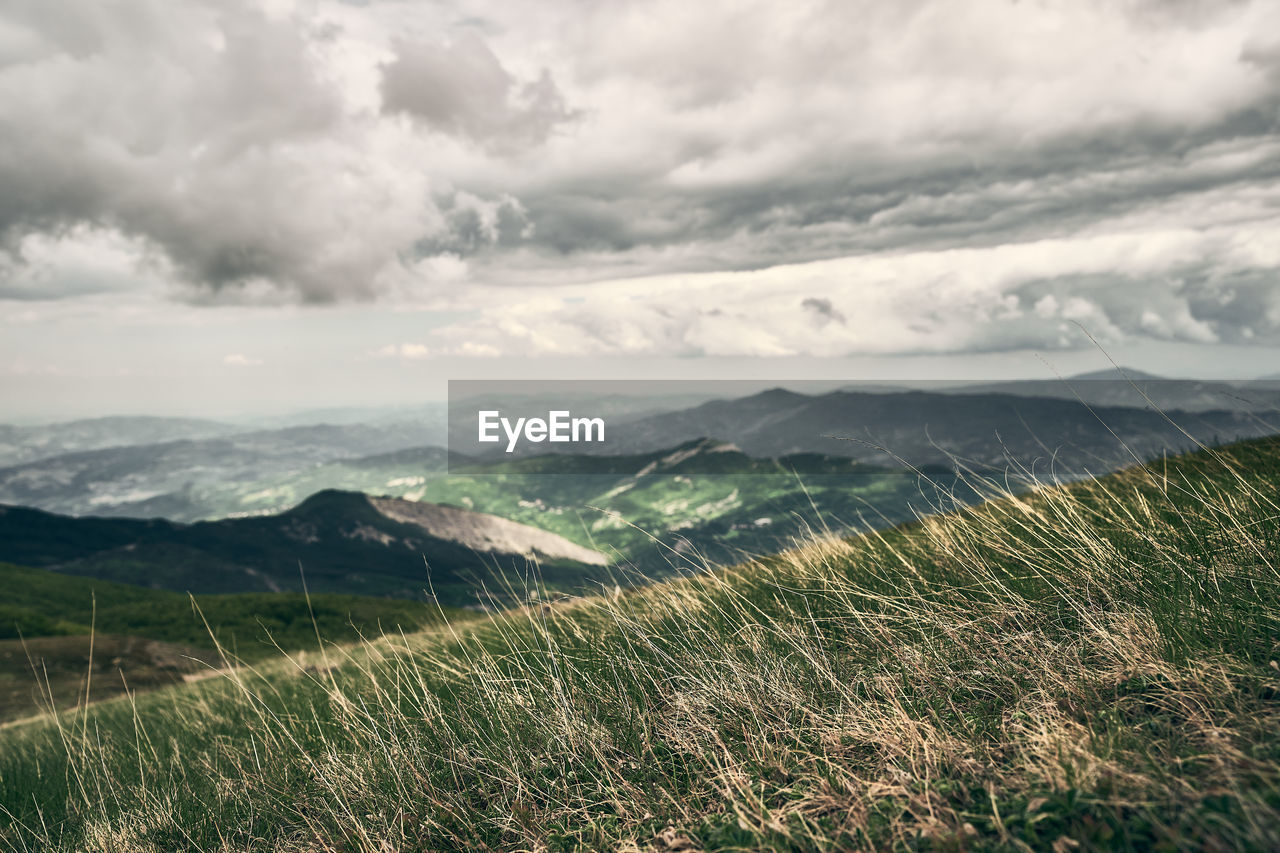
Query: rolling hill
point(650, 513)
point(268, 471)
point(21, 444)
point(168, 478)
point(345, 542)
point(653, 510)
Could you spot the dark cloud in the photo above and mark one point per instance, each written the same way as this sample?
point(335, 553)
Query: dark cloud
point(217, 137)
point(823, 309)
point(475, 225)
point(873, 203)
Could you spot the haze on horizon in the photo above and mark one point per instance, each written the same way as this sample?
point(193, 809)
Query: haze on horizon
point(224, 206)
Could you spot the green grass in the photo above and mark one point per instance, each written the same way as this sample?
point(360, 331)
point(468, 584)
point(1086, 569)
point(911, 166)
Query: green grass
point(56, 672)
point(1088, 667)
point(41, 606)
point(39, 602)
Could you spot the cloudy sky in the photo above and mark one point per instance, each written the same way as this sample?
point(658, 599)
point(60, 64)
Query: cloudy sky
point(242, 205)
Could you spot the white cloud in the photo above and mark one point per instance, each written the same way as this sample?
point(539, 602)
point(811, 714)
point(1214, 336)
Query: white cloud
point(78, 262)
point(407, 351)
point(1178, 284)
point(241, 360)
point(416, 352)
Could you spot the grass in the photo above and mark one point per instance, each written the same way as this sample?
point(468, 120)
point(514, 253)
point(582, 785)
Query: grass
point(252, 626)
point(150, 637)
point(1087, 667)
point(44, 672)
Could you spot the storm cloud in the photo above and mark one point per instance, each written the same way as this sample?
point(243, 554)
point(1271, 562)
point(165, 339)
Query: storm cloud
point(217, 134)
point(820, 177)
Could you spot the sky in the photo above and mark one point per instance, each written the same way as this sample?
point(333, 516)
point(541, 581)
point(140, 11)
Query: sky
point(235, 206)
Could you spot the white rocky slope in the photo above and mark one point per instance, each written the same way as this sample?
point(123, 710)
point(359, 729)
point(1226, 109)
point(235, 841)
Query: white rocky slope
point(484, 532)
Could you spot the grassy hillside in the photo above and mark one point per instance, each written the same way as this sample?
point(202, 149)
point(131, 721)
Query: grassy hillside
point(1090, 667)
point(38, 603)
point(155, 637)
point(40, 673)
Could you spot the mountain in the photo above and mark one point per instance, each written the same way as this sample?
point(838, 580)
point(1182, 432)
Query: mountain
point(700, 497)
point(1141, 390)
point(1121, 373)
point(482, 532)
point(990, 430)
point(654, 511)
point(345, 542)
point(428, 416)
point(268, 471)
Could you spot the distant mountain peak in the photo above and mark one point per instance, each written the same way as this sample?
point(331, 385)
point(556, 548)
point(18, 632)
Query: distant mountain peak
point(1120, 374)
point(331, 497)
point(778, 393)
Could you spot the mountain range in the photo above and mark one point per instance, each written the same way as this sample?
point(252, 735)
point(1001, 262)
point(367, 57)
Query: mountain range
point(1142, 390)
point(990, 430)
point(1042, 427)
point(19, 444)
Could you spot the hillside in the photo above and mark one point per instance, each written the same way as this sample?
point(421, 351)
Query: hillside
point(58, 672)
point(41, 603)
point(1090, 667)
point(658, 509)
point(700, 500)
point(145, 638)
point(342, 541)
